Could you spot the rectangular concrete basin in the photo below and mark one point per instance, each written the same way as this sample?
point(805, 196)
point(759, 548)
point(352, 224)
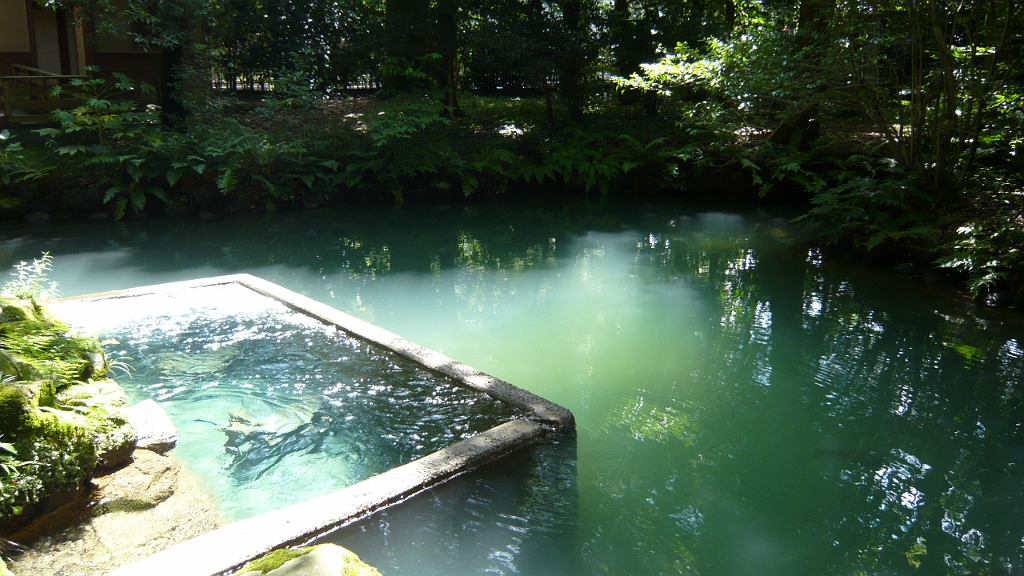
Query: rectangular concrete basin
point(231, 546)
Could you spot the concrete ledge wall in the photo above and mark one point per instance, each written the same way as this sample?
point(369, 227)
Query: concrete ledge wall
point(540, 409)
point(231, 546)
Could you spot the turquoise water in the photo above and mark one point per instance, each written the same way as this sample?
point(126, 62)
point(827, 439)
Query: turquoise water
point(745, 404)
point(273, 407)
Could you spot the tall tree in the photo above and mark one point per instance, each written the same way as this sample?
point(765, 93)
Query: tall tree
point(631, 43)
point(446, 34)
point(406, 37)
point(576, 56)
point(932, 91)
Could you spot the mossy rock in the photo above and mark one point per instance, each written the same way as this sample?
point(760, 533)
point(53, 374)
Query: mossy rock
point(116, 441)
point(327, 559)
point(97, 366)
point(275, 559)
point(13, 365)
point(9, 366)
point(67, 431)
point(40, 394)
point(63, 456)
point(15, 410)
point(18, 311)
point(97, 392)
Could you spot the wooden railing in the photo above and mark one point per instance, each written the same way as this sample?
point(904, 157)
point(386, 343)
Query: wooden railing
point(27, 96)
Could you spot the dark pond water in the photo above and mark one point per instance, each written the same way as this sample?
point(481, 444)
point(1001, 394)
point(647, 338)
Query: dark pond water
point(745, 405)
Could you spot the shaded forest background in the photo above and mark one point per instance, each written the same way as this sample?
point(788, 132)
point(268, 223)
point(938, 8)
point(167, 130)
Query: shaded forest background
point(895, 124)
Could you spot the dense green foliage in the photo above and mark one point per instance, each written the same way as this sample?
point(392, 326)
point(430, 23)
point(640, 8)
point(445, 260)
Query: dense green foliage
point(50, 436)
point(898, 121)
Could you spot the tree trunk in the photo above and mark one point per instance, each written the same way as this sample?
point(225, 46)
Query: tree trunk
point(406, 36)
point(446, 41)
point(624, 41)
point(800, 128)
point(815, 16)
point(573, 60)
point(548, 107)
point(649, 103)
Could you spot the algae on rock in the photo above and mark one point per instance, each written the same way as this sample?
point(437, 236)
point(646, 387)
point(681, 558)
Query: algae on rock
point(55, 425)
point(326, 559)
point(274, 559)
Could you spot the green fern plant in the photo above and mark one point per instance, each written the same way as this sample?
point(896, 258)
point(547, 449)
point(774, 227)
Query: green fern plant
point(870, 202)
point(111, 140)
point(18, 166)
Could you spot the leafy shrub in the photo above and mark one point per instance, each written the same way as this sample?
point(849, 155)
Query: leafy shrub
point(46, 347)
point(53, 446)
point(14, 409)
point(29, 281)
point(868, 202)
point(987, 246)
point(17, 167)
point(110, 141)
point(54, 456)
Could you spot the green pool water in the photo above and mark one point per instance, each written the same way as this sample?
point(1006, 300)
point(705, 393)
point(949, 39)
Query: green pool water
point(745, 404)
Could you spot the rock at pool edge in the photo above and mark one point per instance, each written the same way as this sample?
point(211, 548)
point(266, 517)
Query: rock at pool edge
point(323, 560)
point(152, 427)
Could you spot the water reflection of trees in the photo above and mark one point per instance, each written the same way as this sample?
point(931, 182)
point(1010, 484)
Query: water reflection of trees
point(484, 276)
point(848, 429)
point(677, 431)
point(913, 418)
point(924, 407)
point(851, 427)
point(516, 515)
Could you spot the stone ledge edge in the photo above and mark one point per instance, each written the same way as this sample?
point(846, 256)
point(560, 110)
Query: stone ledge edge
point(231, 546)
point(541, 409)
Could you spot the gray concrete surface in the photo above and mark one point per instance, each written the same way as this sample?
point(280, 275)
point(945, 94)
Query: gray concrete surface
point(231, 546)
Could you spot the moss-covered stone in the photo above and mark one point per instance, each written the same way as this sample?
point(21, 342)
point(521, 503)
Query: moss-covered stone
point(82, 429)
point(73, 439)
point(275, 559)
point(9, 367)
point(97, 392)
point(59, 437)
point(101, 403)
point(12, 310)
point(42, 393)
point(14, 410)
point(326, 559)
point(116, 443)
